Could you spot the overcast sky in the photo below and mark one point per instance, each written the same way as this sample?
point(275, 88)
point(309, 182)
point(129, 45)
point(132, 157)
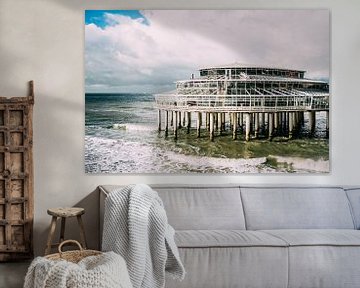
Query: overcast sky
point(146, 51)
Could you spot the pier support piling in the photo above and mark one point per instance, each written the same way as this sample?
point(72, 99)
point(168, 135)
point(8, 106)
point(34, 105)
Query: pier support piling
point(256, 126)
point(276, 122)
point(312, 121)
point(234, 131)
point(221, 122)
point(188, 122)
point(301, 118)
point(176, 126)
point(266, 119)
point(270, 125)
point(216, 116)
point(211, 115)
point(159, 120)
point(207, 115)
point(166, 123)
point(198, 124)
point(291, 125)
point(247, 126)
point(281, 128)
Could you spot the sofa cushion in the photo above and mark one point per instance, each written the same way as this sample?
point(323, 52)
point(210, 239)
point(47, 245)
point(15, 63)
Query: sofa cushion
point(204, 208)
point(191, 207)
point(220, 267)
point(315, 237)
point(226, 238)
point(296, 208)
point(324, 266)
point(322, 258)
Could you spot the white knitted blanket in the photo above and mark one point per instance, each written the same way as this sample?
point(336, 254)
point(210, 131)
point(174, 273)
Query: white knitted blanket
point(103, 271)
point(136, 227)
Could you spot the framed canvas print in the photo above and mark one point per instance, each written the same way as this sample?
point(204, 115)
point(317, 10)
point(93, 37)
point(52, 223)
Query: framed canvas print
point(207, 91)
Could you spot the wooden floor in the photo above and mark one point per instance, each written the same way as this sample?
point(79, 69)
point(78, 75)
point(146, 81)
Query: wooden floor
point(12, 274)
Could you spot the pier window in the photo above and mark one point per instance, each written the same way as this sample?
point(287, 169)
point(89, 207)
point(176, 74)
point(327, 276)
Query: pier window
point(251, 71)
point(235, 73)
point(204, 73)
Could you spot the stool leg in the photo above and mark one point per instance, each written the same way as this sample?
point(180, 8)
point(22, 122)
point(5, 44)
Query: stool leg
point(82, 232)
point(51, 235)
point(62, 231)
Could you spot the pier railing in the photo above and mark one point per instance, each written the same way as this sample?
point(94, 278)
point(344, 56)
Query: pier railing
point(243, 103)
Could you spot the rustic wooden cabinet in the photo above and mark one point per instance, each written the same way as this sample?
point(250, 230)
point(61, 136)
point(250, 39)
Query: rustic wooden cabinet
point(16, 177)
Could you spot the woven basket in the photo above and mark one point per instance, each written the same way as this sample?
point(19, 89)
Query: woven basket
point(72, 256)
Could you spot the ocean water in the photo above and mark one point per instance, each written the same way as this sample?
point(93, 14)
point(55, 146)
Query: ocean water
point(121, 137)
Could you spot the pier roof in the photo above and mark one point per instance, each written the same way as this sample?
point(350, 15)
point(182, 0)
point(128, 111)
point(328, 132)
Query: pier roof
point(242, 65)
point(252, 78)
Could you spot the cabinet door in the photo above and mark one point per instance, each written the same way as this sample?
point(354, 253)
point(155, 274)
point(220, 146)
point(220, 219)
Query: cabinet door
point(16, 210)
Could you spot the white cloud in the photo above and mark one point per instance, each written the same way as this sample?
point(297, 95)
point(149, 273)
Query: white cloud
point(131, 55)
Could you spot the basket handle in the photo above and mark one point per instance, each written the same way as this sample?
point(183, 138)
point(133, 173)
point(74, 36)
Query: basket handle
point(69, 241)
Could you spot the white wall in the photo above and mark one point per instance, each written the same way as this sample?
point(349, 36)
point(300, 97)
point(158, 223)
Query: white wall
point(43, 40)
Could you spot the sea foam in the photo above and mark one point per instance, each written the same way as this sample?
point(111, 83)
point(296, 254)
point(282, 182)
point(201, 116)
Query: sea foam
point(133, 127)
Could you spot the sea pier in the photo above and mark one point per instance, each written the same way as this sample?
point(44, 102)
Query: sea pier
point(249, 101)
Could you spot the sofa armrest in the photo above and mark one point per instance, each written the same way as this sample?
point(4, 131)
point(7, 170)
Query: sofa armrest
point(103, 195)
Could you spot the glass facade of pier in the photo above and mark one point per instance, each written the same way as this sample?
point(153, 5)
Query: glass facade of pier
point(247, 88)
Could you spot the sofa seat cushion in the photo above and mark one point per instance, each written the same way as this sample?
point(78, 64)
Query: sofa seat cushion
point(317, 237)
point(233, 267)
point(225, 238)
point(322, 258)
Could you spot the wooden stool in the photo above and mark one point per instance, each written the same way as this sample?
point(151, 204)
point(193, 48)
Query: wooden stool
point(64, 213)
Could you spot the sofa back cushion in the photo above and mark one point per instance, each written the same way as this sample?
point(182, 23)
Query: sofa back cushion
point(296, 208)
point(203, 208)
